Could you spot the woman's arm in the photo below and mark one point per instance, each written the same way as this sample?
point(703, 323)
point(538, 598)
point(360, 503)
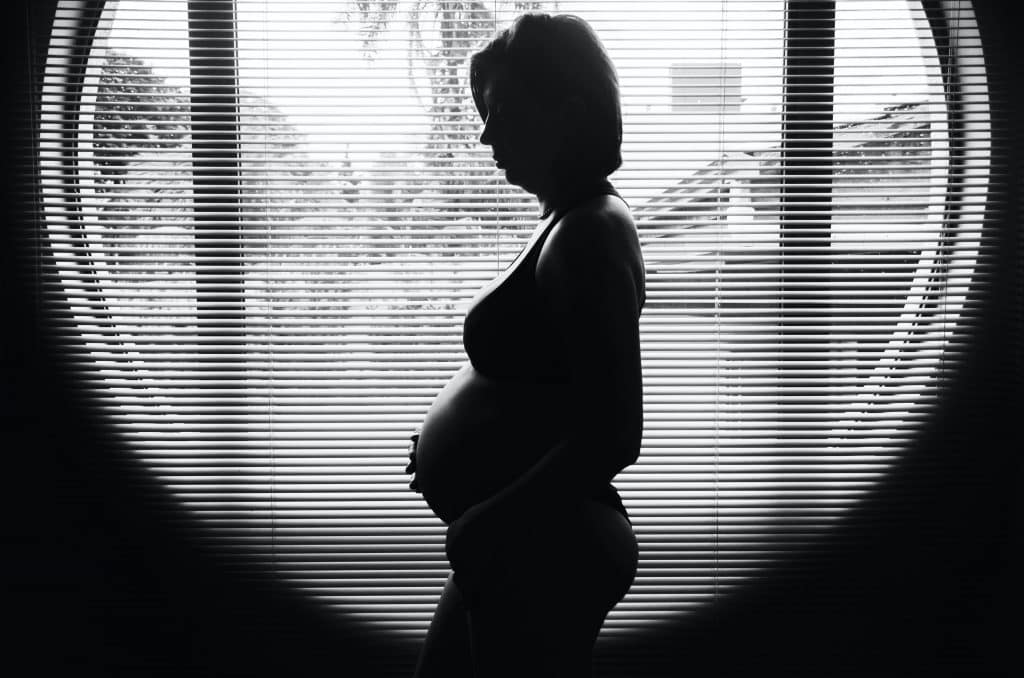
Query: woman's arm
point(590, 273)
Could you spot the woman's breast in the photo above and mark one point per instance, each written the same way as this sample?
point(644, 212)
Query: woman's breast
point(479, 435)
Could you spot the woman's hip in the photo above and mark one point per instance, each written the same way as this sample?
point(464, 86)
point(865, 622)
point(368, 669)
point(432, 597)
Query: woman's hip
point(585, 551)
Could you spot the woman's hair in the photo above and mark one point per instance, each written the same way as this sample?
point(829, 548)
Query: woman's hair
point(558, 58)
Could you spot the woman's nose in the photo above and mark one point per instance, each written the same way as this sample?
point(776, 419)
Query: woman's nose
point(487, 134)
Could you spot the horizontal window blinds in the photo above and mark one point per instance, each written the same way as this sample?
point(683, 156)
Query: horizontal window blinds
point(265, 220)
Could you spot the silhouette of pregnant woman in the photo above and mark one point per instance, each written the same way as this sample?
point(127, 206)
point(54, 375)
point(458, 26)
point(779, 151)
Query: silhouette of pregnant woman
point(517, 452)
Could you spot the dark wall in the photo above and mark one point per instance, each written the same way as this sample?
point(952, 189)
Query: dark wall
point(100, 582)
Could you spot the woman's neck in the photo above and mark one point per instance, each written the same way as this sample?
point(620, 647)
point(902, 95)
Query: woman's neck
point(568, 194)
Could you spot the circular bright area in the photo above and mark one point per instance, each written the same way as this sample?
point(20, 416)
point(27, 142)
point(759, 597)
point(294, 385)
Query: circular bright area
point(266, 264)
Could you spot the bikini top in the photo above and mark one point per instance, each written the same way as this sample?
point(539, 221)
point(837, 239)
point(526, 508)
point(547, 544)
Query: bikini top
point(508, 332)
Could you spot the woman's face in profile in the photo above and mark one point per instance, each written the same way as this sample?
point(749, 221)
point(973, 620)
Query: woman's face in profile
point(523, 140)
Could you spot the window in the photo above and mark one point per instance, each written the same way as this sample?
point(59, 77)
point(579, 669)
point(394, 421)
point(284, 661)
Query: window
point(714, 88)
point(265, 218)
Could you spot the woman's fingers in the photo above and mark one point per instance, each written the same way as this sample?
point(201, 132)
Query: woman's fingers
point(411, 466)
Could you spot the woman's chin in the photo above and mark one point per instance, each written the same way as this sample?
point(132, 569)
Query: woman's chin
point(517, 179)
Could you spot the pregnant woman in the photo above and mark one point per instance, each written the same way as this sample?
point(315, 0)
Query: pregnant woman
point(517, 453)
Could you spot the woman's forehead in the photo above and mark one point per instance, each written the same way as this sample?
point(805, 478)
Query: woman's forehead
point(504, 86)
point(496, 86)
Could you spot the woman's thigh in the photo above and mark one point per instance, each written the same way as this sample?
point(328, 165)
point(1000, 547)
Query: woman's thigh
point(550, 590)
point(446, 649)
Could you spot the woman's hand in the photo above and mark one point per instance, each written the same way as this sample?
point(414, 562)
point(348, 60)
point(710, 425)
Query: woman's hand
point(411, 467)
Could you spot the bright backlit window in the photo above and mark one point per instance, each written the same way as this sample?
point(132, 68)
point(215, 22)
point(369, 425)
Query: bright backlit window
point(266, 218)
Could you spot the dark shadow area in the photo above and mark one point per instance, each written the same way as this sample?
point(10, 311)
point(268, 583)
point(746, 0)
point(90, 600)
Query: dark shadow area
point(103, 577)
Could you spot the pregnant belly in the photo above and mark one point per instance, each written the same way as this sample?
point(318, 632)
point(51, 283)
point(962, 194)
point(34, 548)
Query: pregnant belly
point(479, 435)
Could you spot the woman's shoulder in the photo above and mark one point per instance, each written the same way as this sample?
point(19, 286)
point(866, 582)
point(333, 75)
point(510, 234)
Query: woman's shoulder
point(606, 210)
point(595, 229)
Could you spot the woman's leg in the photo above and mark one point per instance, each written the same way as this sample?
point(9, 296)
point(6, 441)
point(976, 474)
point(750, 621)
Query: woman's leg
point(541, 613)
point(446, 652)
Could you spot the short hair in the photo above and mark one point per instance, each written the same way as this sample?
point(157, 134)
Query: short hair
point(558, 58)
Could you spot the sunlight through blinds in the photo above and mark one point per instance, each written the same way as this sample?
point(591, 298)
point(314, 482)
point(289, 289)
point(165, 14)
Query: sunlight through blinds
point(265, 219)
